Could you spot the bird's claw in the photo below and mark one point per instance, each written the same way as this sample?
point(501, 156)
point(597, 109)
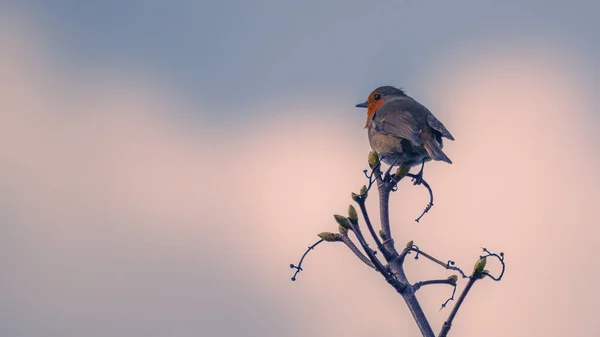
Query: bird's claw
point(418, 179)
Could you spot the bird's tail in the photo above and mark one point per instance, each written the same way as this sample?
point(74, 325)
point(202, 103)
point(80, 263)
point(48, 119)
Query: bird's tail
point(435, 151)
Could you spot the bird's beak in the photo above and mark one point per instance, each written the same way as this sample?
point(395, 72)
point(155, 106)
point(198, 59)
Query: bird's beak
point(362, 105)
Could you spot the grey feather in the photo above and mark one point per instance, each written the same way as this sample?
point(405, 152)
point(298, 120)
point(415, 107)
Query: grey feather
point(395, 119)
point(435, 124)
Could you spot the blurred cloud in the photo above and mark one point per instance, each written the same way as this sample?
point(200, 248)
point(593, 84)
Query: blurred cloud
point(282, 52)
point(107, 203)
point(125, 217)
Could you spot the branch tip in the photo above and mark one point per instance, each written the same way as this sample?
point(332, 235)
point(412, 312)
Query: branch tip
point(299, 266)
point(342, 221)
point(352, 215)
point(330, 237)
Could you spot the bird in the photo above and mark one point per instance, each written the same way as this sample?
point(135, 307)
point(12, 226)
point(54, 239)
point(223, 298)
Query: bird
point(402, 131)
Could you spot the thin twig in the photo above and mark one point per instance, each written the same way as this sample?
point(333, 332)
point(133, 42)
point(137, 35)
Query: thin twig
point(419, 284)
point(430, 204)
point(447, 281)
point(299, 266)
point(500, 258)
point(374, 176)
point(389, 277)
point(448, 265)
point(345, 239)
point(365, 214)
point(448, 323)
point(370, 253)
point(477, 275)
point(451, 298)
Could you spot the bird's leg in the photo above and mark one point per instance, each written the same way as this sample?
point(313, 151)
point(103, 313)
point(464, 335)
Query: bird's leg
point(418, 179)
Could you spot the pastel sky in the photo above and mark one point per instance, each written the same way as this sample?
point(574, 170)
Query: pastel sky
point(161, 165)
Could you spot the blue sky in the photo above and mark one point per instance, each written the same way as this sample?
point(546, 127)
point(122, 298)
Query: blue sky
point(240, 59)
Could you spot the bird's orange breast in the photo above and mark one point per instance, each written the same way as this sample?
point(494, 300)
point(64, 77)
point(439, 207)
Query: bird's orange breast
point(371, 109)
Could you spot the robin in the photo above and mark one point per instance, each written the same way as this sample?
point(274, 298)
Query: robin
point(402, 131)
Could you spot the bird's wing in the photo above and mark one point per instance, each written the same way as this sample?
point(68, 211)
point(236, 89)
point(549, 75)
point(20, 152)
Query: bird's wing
point(438, 126)
point(396, 118)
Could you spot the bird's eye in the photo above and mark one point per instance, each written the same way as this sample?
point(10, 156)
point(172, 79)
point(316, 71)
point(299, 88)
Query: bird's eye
point(377, 97)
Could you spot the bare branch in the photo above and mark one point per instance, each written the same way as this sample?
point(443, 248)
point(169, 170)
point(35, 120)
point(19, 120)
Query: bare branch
point(299, 266)
point(394, 272)
point(448, 323)
point(345, 239)
point(500, 258)
point(365, 214)
point(417, 312)
point(448, 265)
point(384, 214)
point(451, 281)
point(430, 204)
point(420, 284)
point(478, 274)
point(451, 298)
point(370, 253)
point(374, 176)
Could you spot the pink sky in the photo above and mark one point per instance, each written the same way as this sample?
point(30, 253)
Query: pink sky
point(122, 218)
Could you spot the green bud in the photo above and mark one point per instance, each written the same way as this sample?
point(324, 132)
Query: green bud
point(342, 221)
point(382, 234)
point(329, 237)
point(352, 214)
point(482, 275)
point(373, 159)
point(356, 197)
point(343, 230)
point(453, 278)
point(401, 172)
point(479, 265)
point(363, 190)
point(409, 244)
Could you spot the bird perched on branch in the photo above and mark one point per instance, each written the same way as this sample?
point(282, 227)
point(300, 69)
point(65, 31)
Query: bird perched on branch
point(402, 131)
